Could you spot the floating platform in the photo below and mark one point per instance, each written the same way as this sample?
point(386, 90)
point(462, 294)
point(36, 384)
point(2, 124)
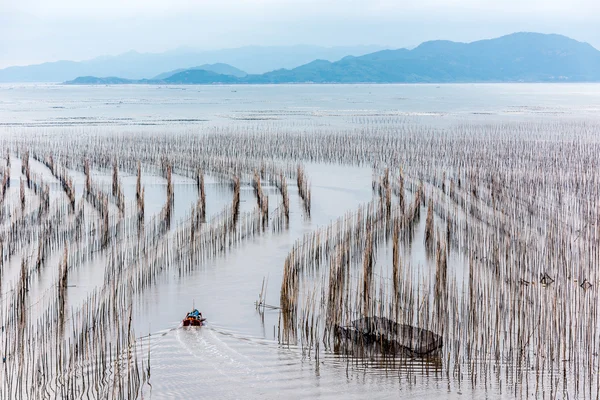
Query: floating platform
point(390, 337)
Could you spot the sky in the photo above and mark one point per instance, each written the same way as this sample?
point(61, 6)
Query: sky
point(34, 31)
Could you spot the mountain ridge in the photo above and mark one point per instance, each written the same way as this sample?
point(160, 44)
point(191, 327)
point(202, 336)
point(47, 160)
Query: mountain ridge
point(135, 66)
point(518, 57)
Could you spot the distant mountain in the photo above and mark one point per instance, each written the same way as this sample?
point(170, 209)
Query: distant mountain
point(520, 57)
point(219, 68)
point(527, 57)
point(133, 65)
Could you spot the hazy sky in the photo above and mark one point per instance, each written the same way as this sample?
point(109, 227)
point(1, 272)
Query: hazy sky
point(34, 31)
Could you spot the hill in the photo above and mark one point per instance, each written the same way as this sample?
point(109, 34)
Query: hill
point(199, 76)
point(219, 68)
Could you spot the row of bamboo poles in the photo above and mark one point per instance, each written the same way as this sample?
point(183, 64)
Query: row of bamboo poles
point(89, 349)
point(509, 233)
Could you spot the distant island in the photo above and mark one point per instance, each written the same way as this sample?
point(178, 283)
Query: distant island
point(189, 76)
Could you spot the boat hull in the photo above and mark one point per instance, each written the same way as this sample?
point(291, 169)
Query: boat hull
point(193, 322)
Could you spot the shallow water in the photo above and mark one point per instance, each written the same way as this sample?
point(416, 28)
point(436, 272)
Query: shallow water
point(237, 355)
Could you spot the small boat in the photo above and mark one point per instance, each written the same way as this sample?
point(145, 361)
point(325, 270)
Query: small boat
point(194, 318)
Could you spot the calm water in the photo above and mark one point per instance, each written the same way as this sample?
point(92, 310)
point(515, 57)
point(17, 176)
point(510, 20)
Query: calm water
point(52, 105)
point(237, 354)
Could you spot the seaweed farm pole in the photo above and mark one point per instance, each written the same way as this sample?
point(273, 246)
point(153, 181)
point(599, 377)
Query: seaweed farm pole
point(139, 196)
point(170, 194)
point(201, 197)
point(25, 168)
point(106, 222)
point(88, 178)
point(261, 199)
point(5, 182)
point(401, 200)
point(235, 209)
point(367, 269)
point(303, 189)
point(41, 254)
point(396, 264)
point(62, 290)
point(285, 200)
point(115, 179)
point(194, 223)
point(117, 190)
point(429, 239)
point(441, 285)
point(138, 182)
point(22, 195)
